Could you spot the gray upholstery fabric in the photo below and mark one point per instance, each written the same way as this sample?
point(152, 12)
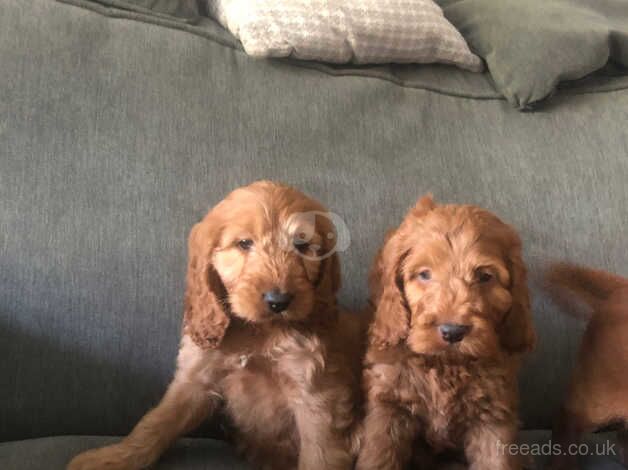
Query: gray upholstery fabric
point(116, 136)
point(206, 454)
point(181, 14)
point(531, 46)
point(53, 453)
point(186, 10)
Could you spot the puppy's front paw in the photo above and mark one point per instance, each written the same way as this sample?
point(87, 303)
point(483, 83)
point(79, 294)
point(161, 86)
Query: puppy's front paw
point(115, 457)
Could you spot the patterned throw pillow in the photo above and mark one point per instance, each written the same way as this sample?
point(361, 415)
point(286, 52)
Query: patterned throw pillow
point(341, 31)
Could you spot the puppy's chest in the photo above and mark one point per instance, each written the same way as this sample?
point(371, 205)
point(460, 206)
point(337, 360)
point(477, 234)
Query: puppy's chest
point(449, 399)
point(263, 386)
point(255, 393)
point(252, 374)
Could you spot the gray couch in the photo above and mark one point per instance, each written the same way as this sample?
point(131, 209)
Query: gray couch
point(116, 135)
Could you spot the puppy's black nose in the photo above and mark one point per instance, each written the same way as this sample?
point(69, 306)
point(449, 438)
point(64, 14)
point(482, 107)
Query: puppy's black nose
point(453, 333)
point(277, 301)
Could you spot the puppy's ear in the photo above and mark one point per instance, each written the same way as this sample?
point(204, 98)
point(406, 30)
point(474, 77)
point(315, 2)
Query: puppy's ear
point(423, 205)
point(205, 317)
point(391, 323)
point(392, 316)
point(517, 333)
point(330, 276)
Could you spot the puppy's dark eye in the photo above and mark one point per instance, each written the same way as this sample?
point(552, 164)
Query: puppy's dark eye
point(483, 276)
point(245, 244)
point(424, 275)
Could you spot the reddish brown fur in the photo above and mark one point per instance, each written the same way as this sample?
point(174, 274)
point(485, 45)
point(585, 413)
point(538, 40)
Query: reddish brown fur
point(289, 382)
point(598, 394)
point(419, 388)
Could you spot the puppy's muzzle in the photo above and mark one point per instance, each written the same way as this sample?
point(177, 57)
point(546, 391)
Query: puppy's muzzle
point(453, 333)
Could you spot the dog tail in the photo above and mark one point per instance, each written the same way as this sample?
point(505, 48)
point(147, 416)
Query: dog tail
point(590, 286)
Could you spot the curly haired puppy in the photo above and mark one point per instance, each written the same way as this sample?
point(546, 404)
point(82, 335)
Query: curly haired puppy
point(452, 318)
point(263, 341)
point(598, 395)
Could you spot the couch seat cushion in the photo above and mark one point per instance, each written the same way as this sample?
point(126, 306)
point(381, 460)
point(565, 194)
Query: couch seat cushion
point(53, 453)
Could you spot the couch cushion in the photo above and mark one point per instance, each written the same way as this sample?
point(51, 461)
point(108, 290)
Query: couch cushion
point(183, 15)
point(53, 453)
point(530, 46)
point(187, 10)
point(359, 31)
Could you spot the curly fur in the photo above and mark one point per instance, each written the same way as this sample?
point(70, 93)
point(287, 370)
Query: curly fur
point(287, 382)
point(598, 394)
point(421, 391)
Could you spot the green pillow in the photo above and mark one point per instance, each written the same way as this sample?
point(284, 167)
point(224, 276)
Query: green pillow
point(532, 45)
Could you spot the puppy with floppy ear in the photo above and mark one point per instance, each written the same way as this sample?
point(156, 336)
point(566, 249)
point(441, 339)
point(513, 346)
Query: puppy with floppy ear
point(264, 343)
point(451, 321)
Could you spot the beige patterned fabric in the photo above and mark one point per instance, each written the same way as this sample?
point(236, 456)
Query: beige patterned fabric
point(340, 31)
